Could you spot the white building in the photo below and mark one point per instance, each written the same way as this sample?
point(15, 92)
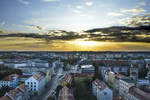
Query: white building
point(10, 81)
point(124, 85)
point(36, 82)
point(101, 91)
point(87, 69)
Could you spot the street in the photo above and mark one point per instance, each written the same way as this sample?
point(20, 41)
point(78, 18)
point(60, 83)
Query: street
point(52, 85)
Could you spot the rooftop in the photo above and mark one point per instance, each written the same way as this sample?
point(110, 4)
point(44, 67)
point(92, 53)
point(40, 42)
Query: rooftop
point(66, 94)
point(39, 76)
point(101, 85)
point(128, 80)
point(139, 93)
point(10, 77)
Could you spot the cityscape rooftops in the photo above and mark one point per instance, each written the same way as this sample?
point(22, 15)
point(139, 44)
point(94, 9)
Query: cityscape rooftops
point(66, 94)
point(101, 85)
point(128, 80)
point(10, 77)
point(39, 76)
point(139, 93)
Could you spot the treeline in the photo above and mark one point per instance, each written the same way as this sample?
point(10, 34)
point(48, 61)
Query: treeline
point(8, 71)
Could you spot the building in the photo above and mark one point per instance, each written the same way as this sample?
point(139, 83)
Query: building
point(10, 81)
point(148, 75)
point(16, 63)
point(31, 70)
point(116, 81)
point(137, 94)
point(111, 78)
point(67, 80)
point(66, 94)
point(134, 72)
point(36, 82)
point(87, 69)
point(19, 93)
point(124, 86)
point(101, 91)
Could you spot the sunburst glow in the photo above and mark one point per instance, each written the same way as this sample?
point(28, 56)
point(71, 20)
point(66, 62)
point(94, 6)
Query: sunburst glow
point(83, 42)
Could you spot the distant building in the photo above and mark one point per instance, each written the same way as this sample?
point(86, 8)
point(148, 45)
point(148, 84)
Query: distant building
point(87, 69)
point(66, 94)
point(134, 72)
point(48, 70)
point(36, 82)
point(23, 63)
point(19, 93)
point(101, 91)
point(148, 75)
point(10, 81)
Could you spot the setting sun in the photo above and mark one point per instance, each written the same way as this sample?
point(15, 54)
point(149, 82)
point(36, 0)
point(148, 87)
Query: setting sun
point(83, 42)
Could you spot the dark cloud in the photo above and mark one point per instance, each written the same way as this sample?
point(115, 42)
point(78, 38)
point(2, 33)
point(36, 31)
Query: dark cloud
point(1, 31)
point(139, 20)
point(36, 27)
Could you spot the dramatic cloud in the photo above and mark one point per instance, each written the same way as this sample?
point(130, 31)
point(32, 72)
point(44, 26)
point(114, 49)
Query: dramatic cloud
point(115, 14)
point(89, 3)
point(24, 2)
point(50, 0)
point(1, 31)
point(36, 27)
point(139, 21)
point(137, 11)
point(136, 20)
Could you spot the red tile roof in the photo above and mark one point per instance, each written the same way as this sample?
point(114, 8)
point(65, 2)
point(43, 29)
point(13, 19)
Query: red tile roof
point(14, 93)
point(66, 94)
point(68, 78)
point(39, 76)
point(101, 85)
point(139, 93)
point(5, 98)
point(10, 77)
point(22, 87)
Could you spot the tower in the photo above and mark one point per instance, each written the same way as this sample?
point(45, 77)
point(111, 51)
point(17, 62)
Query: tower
point(134, 72)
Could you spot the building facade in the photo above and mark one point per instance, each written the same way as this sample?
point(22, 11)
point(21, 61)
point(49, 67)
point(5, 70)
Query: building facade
point(101, 91)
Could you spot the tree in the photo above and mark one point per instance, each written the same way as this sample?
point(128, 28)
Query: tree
point(97, 73)
point(50, 98)
point(59, 87)
point(3, 90)
point(143, 72)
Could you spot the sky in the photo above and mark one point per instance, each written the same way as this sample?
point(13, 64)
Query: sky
point(73, 15)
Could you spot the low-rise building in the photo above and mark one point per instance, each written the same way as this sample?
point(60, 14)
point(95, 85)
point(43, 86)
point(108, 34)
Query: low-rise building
point(87, 69)
point(101, 90)
point(36, 82)
point(111, 78)
point(10, 81)
point(137, 94)
point(124, 86)
point(67, 80)
point(19, 93)
point(66, 94)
